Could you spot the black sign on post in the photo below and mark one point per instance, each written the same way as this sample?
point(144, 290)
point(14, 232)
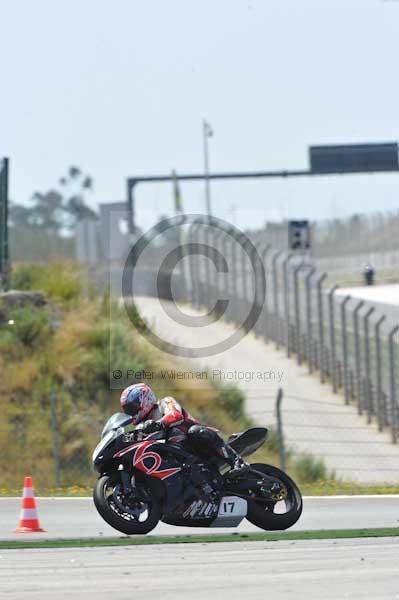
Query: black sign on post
point(354, 158)
point(4, 255)
point(299, 235)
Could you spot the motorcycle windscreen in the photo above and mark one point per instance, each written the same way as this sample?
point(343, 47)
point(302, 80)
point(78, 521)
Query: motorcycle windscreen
point(117, 420)
point(248, 441)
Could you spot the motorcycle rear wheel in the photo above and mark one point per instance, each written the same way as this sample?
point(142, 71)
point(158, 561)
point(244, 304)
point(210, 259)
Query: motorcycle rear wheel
point(261, 513)
point(121, 517)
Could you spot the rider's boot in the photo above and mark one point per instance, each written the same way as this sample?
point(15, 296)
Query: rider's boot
point(237, 464)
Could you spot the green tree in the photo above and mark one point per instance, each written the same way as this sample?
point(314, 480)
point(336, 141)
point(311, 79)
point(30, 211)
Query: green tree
point(47, 211)
point(76, 184)
point(44, 226)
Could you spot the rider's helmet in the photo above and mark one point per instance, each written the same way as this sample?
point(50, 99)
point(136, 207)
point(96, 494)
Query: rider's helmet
point(137, 401)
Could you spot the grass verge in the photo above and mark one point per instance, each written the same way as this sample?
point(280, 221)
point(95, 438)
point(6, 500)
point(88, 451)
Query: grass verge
point(324, 534)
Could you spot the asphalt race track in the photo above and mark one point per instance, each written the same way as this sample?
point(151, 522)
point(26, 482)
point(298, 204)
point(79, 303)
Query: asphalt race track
point(311, 569)
point(327, 569)
point(77, 517)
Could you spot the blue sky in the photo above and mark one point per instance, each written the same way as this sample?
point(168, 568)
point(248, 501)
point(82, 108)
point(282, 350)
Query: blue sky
point(121, 88)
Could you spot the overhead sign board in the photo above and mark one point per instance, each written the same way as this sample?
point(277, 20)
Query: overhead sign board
point(354, 158)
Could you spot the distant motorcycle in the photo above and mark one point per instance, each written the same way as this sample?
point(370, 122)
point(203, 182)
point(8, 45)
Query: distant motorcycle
point(145, 479)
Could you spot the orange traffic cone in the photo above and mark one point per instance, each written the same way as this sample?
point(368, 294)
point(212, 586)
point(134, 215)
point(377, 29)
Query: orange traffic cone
point(28, 519)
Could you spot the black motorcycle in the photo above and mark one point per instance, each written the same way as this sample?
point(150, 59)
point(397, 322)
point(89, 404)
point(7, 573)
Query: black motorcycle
point(145, 479)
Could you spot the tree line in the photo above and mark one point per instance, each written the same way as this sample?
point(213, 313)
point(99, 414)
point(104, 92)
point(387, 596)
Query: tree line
point(45, 225)
point(356, 234)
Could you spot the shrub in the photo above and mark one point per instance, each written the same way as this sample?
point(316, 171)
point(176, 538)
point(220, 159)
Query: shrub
point(30, 325)
point(24, 277)
point(60, 281)
point(7, 341)
point(232, 399)
point(310, 469)
point(273, 442)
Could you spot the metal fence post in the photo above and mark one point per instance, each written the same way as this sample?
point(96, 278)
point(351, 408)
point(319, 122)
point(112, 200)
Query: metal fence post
point(357, 356)
point(320, 281)
point(297, 313)
point(219, 272)
point(207, 267)
point(191, 279)
point(345, 347)
point(193, 264)
point(367, 361)
point(286, 303)
point(200, 239)
point(275, 258)
point(54, 438)
point(197, 270)
point(256, 264)
point(4, 225)
point(392, 383)
point(226, 278)
point(309, 324)
point(234, 279)
point(332, 336)
point(194, 271)
point(280, 434)
point(264, 254)
point(380, 416)
point(244, 273)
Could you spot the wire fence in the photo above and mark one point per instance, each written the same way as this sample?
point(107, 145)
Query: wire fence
point(317, 440)
point(347, 342)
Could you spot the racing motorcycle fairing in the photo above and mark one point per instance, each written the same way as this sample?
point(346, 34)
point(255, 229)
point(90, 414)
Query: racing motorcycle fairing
point(168, 469)
point(248, 441)
point(226, 511)
point(147, 458)
point(190, 492)
point(190, 488)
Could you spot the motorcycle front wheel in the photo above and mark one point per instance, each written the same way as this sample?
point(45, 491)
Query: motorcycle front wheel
point(132, 515)
point(274, 516)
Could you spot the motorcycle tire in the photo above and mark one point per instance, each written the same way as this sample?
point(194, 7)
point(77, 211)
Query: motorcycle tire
point(261, 514)
point(129, 527)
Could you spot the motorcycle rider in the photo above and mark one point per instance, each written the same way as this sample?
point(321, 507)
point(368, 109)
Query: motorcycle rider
point(139, 401)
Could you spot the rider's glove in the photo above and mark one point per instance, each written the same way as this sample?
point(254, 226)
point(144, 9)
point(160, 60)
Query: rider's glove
point(151, 426)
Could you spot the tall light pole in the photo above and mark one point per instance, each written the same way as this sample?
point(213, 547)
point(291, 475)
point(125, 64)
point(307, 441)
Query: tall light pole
point(207, 133)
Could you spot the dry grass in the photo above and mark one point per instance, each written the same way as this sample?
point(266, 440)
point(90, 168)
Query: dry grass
point(73, 363)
